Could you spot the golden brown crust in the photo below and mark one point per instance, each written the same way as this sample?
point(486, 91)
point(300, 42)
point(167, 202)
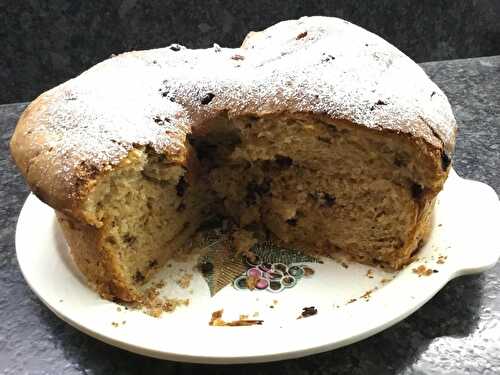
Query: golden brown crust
point(99, 265)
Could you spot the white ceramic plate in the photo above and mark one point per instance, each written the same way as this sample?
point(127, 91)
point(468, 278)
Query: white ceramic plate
point(465, 231)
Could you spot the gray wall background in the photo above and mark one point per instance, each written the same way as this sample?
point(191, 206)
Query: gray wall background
point(43, 43)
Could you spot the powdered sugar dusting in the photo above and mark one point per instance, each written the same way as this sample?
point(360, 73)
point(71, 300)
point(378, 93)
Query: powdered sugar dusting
point(319, 65)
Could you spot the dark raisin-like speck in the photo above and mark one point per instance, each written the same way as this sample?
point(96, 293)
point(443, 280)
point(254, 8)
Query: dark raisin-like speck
point(445, 161)
point(301, 35)
point(417, 190)
point(329, 200)
point(181, 186)
point(283, 161)
point(207, 98)
point(308, 311)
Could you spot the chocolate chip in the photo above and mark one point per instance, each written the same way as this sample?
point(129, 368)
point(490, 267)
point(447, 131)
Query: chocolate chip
point(417, 191)
point(153, 263)
point(329, 200)
point(301, 35)
point(207, 98)
point(292, 222)
point(445, 161)
point(175, 47)
point(283, 161)
point(181, 187)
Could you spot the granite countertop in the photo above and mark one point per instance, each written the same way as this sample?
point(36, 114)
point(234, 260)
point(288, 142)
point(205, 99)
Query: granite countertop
point(457, 332)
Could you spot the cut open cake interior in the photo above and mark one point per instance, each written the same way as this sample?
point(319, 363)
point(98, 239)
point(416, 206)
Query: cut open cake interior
point(311, 184)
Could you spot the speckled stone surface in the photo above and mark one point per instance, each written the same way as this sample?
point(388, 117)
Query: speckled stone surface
point(44, 43)
point(457, 332)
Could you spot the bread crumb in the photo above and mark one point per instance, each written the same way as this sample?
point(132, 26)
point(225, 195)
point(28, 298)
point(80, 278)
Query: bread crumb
point(422, 271)
point(255, 314)
point(160, 284)
point(154, 305)
point(352, 300)
point(369, 273)
point(118, 309)
point(217, 321)
point(307, 312)
point(114, 324)
point(185, 280)
point(157, 306)
point(368, 294)
point(442, 259)
point(243, 241)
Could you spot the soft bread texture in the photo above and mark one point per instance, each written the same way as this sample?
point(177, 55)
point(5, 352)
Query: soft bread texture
point(315, 131)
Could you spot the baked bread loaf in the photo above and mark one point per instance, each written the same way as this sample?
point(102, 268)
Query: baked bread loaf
point(316, 131)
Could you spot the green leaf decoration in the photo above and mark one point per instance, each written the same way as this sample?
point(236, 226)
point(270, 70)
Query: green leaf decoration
point(226, 266)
